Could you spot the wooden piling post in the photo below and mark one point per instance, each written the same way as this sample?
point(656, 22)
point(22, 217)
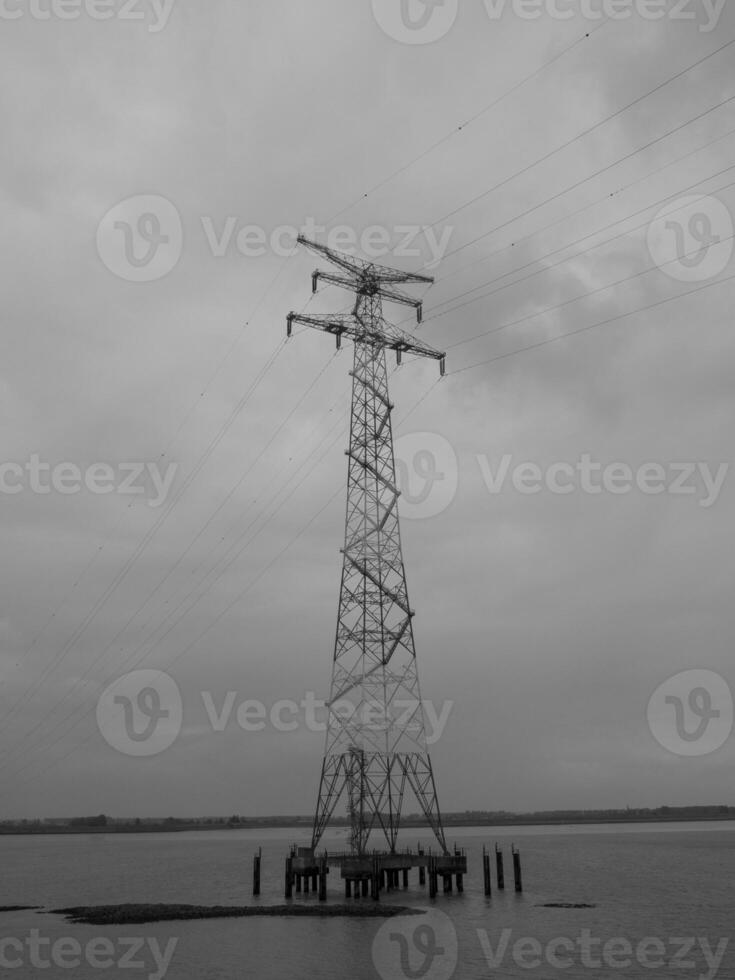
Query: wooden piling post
point(289, 878)
point(517, 869)
point(432, 877)
point(422, 869)
point(460, 883)
point(405, 877)
point(486, 872)
point(256, 872)
point(499, 868)
point(323, 880)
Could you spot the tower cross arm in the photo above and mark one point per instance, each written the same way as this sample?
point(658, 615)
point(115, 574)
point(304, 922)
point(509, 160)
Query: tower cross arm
point(395, 296)
point(354, 284)
point(355, 266)
point(391, 338)
point(348, 282)
point(361, 269)
point(337, 325)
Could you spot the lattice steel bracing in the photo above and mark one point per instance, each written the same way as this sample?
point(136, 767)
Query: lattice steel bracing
point(375, 746)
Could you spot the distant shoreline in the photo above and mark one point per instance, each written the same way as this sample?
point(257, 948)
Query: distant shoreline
point(107, 825)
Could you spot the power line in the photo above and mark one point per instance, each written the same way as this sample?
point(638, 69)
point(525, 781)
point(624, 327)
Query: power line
point(583, 134)
point(585, 180)
point(145, 653)
point(467, 122)
point(85, 712)
point(591, 326)
point(142, 545)
point(178, 562)
point(576, 299)
point(577, 255)
point(289, 545)
point(172, 442)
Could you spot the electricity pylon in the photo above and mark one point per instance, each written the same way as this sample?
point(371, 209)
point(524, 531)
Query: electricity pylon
point(376, 741)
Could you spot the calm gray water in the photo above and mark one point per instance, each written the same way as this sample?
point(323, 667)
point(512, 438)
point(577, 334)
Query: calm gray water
point(657, 890)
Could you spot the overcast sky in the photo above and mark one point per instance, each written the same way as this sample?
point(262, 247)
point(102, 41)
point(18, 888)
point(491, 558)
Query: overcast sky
point(547, 618)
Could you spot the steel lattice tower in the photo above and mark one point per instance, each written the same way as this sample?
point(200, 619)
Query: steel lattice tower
point(376, 743)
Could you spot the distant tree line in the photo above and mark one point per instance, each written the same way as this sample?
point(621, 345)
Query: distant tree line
point(106, 824)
